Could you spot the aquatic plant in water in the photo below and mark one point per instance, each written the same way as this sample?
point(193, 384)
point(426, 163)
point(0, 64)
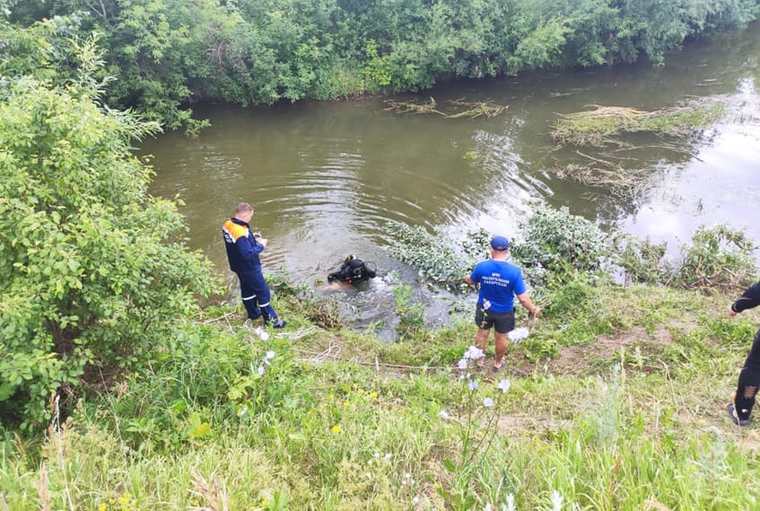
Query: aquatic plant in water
point(599, 126)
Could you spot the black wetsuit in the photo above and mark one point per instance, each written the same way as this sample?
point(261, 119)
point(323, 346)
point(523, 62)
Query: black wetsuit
point(749, 378)
point(352, 271)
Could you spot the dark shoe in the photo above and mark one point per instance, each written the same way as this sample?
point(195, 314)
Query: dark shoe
point(279, 324)
point(735, 416)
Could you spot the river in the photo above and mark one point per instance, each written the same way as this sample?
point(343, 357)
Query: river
point(326, 178)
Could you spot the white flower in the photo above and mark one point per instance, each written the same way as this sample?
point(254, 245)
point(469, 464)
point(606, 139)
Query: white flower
point(462, 364)
point(387, 456)
point(488, 507)
point(556, 501)
point(504, 385)
point(444, 415)
point(415, 500)
point(510, 505)
point(474, 353)
point(269, 355)
point(472, 384)
point(260, 370)
point(488, 402)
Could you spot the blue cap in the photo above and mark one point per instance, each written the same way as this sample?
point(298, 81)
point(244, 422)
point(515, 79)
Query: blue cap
point(499, 243)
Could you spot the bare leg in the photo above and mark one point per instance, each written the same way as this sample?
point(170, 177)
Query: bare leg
point(501, 348)
point(481, 341)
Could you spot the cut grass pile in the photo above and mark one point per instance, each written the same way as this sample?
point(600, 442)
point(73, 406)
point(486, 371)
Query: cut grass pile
point(599, 126)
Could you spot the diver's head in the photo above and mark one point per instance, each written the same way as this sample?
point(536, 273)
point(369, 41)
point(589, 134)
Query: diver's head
point(244, 212)
point(499, 248)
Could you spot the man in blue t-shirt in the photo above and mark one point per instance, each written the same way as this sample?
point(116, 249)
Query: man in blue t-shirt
point(498, 282)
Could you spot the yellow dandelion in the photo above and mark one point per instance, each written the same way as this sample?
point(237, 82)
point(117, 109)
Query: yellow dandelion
point(373, 395)
point(336, 428)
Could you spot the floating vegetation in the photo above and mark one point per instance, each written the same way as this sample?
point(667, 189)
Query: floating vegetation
point(619, 181)
point(438, 260)
point(616, 169)
point(599, 126)
point(452, 109)
point(551, 240)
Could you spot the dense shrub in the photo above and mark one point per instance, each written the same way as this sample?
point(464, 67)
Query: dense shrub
point(551, 242)
point(93, 271)
point(718, 258)
point(555, 241)
point(644, 262)
point(435, 257)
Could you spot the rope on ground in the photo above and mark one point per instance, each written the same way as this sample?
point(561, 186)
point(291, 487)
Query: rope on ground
point(334, 350)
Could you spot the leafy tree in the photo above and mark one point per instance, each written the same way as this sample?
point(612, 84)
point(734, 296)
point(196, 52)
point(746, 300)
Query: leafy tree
point(169, 54)
point(93, 270)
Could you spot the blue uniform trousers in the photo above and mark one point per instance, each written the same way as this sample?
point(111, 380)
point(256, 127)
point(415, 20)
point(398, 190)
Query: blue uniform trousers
point(256, 295)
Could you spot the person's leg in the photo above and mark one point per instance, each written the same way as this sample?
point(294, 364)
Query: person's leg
point(749, 381)
point(248, 293)
point(503, 324)
point(501, 349)
point(481, 338)
point(484, 328)
point(264, 299)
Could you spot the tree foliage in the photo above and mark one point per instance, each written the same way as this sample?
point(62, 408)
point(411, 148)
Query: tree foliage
point(170, 53)
point(93, 271)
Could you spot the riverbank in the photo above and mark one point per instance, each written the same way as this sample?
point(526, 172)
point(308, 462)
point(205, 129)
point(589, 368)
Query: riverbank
point(625, 412)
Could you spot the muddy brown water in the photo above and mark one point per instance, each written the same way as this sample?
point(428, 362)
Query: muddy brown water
point(326, 178)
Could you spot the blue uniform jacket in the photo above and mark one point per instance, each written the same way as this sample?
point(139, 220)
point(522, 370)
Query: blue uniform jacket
point(242, 248)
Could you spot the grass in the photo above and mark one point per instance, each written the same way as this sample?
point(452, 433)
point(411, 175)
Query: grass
point(339, 420)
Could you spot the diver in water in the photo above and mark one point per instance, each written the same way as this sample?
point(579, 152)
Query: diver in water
point(352, 271)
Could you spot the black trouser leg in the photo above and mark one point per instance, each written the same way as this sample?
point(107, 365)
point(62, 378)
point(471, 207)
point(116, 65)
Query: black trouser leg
point(749, 380)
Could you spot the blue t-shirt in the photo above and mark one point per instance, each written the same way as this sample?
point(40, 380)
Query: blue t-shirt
point(499, 282)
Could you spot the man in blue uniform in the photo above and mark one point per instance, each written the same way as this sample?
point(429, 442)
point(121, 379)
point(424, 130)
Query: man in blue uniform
point(499, 282)
point(243, 249)
point(740, 409)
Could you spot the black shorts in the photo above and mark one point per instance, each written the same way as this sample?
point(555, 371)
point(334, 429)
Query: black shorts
point(502, 323)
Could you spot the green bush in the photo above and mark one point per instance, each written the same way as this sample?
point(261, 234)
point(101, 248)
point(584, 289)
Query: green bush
point(437, 259)
point(718, 258)
point(554, 241)
point(643, 262)
point(168, 54)
point(93, 270)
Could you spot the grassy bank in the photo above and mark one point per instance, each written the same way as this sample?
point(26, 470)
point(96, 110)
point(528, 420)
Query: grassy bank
point(616, 402)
